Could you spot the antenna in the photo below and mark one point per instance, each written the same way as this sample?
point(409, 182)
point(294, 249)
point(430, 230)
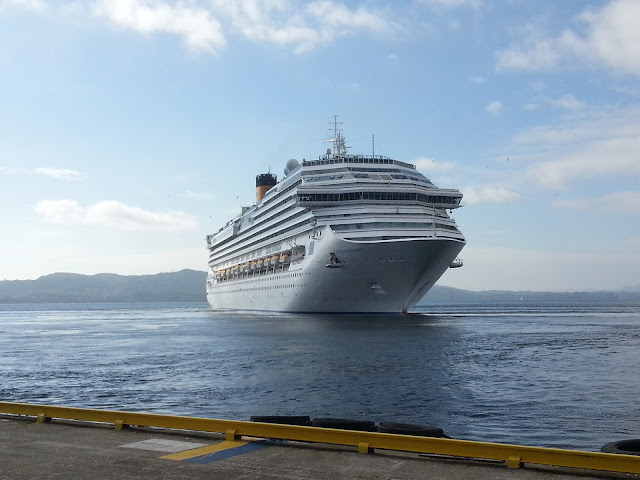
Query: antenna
point(373, 145)
point(339, 147)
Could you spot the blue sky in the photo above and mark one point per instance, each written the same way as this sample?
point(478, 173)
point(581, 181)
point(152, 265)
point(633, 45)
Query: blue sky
point(129, 129)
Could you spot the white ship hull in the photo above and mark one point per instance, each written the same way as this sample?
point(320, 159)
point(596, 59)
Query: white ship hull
point(380, 277)
point(343, 234)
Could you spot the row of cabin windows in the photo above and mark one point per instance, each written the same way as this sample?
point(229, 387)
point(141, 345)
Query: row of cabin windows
point(270, 196)
point(381, 196)
point(376, 159)
point(228, 240)
point(371, 176)
point(366, 173)
point(262, 239)
point(389, 225)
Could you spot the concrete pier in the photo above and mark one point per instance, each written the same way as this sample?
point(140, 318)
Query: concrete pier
point(74, 450)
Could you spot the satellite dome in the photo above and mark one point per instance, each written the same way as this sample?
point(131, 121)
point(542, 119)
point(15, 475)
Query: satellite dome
point(292, 164)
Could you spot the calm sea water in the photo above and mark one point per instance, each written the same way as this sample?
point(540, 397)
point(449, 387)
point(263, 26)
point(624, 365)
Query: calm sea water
point(550, 375)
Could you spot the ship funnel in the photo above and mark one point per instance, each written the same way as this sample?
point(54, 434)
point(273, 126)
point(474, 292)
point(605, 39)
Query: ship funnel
point(264, 182)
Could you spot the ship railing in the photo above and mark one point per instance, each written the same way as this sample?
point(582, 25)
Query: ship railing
point(367, 159)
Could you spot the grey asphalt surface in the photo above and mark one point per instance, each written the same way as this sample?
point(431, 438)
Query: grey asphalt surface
point(74, 450)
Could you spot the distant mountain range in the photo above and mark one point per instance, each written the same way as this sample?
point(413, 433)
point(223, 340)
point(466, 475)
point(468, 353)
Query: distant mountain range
point(440, 294)
point(182, 286)
point(189, 286)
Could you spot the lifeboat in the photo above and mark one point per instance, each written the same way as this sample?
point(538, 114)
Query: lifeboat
point(252, 266)
point(260, 263)
point(245, 267)
point(283, 257)
point(273, 260)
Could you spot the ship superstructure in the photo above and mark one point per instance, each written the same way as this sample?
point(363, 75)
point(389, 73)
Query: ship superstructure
point(343, 233)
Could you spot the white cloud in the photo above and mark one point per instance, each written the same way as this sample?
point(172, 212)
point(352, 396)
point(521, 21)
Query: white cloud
point(479, 79)
point(205, 25)
point(270, 22)
point(567, 102)
point(614, 36)
point(531, 106)
point(537, 86)
point(590, 145)
point(598, 159)
point(611, 203)
point(197, 195)
point(536, 54)
point(431, 165)
point(302, 26)
point(200, 30)
point(453, 3)
point(611, 37)
point(337, 15)
point(57, 173)
point(60, 173)
point(66, 212)
point(112, 214)
point(33, 5)
point(479, 195)
point(495, 107)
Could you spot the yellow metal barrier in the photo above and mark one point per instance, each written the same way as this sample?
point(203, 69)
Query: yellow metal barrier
point(514, 455)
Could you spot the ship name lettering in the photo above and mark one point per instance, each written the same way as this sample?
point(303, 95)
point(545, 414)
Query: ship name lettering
point(350, 250)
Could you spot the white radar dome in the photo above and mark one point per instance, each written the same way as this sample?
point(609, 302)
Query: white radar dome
point(292, 164)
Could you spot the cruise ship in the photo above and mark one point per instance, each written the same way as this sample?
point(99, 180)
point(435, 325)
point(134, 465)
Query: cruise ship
point(343, 233)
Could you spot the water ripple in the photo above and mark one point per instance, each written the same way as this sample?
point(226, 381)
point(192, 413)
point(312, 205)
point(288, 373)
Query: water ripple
point(554, 375)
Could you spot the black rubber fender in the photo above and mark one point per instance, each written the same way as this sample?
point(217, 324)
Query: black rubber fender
point(300, 420)
point(411, 429)
point(625, 447)
point(344, 424)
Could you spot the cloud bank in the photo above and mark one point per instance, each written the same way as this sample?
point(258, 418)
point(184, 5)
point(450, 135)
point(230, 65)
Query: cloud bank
point(57, 173)
point(484, 195)
point(205, 26)
point(612, 203)
point(199, 29)
point(608, 35)
point(112, 214)
point(33, 5)
point(449, 4)
point(596, 144)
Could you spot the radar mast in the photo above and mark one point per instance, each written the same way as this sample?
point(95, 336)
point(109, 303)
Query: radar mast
point(339, 146)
